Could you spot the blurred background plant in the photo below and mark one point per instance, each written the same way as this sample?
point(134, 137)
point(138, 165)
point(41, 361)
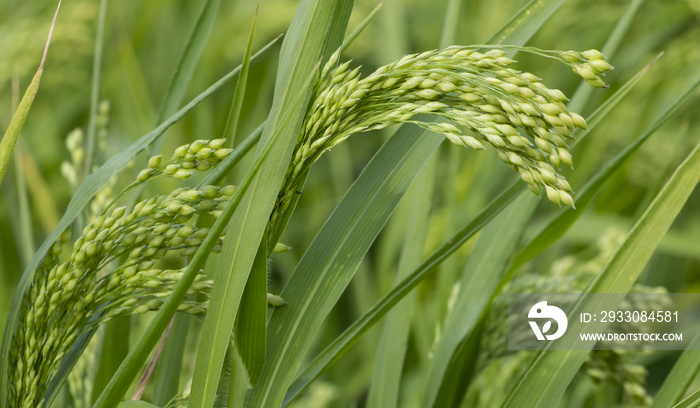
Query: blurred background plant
point(141, 47)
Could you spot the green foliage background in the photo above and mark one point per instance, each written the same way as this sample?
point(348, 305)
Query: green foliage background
point(142, 43)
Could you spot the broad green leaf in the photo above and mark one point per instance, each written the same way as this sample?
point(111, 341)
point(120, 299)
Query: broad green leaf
point(114, 347)
point(552, 371)
point(389, 244)
point(315, 32)
point(81, 198)
point(392, 346)
point(388, 301)
point(284, 219)
point(240, 385)
point(166, 378)
point(251, 324)
point(681, 376)
point(330, 261)
point(389, 360)
point(482, 273)
point(9, 140)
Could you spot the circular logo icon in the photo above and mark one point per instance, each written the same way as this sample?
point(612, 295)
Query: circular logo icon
point(543, 311)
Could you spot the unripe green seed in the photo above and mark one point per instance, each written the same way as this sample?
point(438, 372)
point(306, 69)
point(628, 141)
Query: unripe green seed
point(154, 161)
point(586, 73)
point(596, 83)
point(515, 159)
point(144, 175)
point(566, 157)
point(571, 56)
point(510, 88)
point(557, 95)
point(593, 55)
point(216, 144)
point(79, 257)
point(185, 231)
point(201, 233)
point(181, 151)
point(566, 199)
point(208, 205)
point(228, 190)
point(203, 166)
point(182, 174)
point(187, 210)
point(171, 169)
point(281, 248)
point(141, 309)
point(428, 94)
point(579, 121)
point(70, 286)
point(601, 65)
point(553, 195)
point(204, 153)
point(275, 301)
point(196, 146)
point(189, 251)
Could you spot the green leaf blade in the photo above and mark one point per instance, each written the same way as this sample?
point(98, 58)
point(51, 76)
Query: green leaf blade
point(329, 263)
point(9, 139)
point(316, 31)
point(393, 343)
point(251, 325)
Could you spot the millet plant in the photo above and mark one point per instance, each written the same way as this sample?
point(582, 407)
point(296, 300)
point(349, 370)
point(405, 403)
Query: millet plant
point(216, 275)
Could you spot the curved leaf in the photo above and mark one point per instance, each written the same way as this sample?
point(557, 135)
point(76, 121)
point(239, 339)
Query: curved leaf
point(315, 33)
